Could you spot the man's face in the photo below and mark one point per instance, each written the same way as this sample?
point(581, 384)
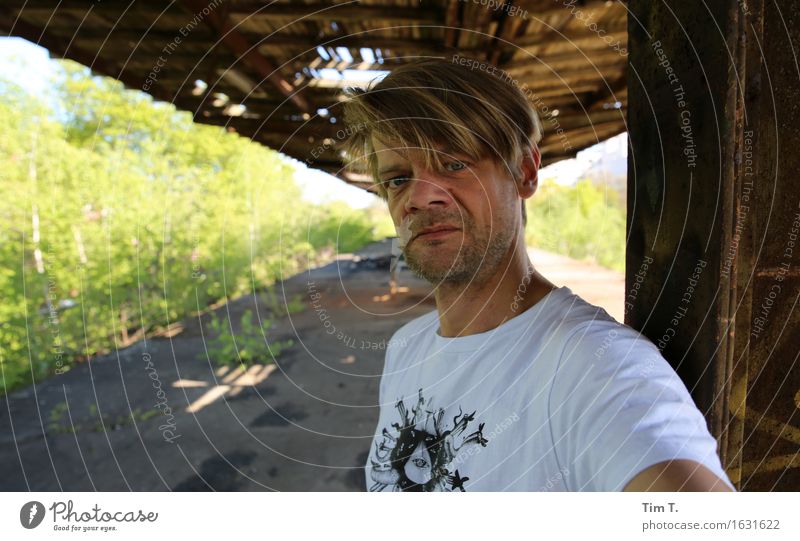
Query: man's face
point(464, 219)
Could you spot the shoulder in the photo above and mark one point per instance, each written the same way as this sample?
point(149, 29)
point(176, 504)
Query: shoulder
point(577, 310)
point(597, 355)
point(589, 332)
point(616, 406)
point(601, 356)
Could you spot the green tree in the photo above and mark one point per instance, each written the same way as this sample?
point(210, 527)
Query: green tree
point(582, 221)
point(120, 216)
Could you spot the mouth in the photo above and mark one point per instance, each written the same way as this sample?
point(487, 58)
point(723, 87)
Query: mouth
point(436, 232)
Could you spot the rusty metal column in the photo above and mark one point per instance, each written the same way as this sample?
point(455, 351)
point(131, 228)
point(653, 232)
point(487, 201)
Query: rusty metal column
point(712, 197)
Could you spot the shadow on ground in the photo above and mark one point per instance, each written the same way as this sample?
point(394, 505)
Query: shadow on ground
point(301, 423)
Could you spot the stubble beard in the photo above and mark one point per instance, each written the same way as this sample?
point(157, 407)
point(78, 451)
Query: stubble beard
point(477, 257)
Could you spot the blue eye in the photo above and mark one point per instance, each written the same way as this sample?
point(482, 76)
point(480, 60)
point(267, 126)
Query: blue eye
point(395, 182)
point(455, 165)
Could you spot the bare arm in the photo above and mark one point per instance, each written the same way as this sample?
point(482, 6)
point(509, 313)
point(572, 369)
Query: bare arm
point(677, 476)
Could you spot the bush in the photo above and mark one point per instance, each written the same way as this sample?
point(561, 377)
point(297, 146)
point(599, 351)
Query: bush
point(120, 216)
point(247, 346)
point(581, 221)
point(344, 228)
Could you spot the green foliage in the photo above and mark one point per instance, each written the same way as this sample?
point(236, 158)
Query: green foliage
point(59, 423)
point(344, 228)
point(247, 346)
point(582, 221)
point(120, 216)
point(280, 306)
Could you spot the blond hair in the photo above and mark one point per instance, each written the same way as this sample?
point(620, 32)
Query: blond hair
point(438, 107)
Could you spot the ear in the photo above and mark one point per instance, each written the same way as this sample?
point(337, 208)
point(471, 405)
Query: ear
point(529, 180)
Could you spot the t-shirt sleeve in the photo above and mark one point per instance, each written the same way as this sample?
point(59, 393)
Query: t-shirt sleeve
point(617, 407)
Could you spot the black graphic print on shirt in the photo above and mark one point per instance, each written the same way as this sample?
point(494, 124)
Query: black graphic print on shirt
point(420, 453)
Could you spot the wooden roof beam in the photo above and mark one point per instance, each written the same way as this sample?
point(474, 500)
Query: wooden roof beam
point(608, 91)
point(543, 9)
point(532, 40)
point(568, 117)
point(453, 21)
point(249, 54)
point(572, 119)
point(262, 42)
point(508, 29)
point(572, 59)
point(64, 48)
point(600, 57)
point(580, 138)
point(349, 12)
point(294, 131)
point(265, 43)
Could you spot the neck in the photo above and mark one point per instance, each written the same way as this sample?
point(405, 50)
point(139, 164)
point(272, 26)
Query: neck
point(492, 297)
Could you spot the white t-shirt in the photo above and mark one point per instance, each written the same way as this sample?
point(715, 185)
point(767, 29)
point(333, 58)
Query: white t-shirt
point(561, 397)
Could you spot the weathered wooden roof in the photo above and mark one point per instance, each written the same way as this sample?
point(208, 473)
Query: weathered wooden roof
point(285, 61)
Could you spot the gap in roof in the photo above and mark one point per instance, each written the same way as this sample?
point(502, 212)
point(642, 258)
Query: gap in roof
point(349, 75)
point(332, 77)
point(323, 53)
point(367, 55)
point(344, 54)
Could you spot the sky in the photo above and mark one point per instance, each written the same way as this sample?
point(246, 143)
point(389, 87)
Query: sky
point(30, 66)
point(26, 63)
point(320, 187)
point(608, 158)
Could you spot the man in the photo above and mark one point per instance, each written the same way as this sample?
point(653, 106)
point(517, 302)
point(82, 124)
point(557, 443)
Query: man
point(512, 383)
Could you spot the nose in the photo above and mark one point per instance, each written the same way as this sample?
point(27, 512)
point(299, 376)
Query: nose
point(425, 192)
